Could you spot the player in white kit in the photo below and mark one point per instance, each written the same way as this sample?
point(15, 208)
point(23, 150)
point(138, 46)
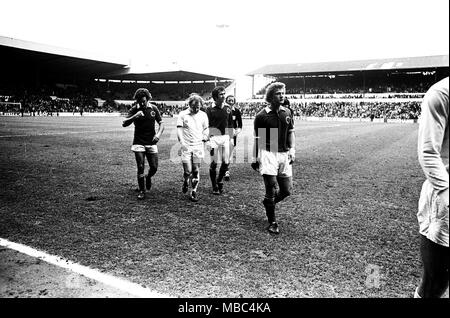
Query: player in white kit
point(192, 132)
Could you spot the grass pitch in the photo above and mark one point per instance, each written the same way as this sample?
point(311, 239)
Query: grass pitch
point(348, 230)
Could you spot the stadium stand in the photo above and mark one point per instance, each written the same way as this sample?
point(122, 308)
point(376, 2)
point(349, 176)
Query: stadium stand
point(44, 80)
point(393, 76)
point(384, 88)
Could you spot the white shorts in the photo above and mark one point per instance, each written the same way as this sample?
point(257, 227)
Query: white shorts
point(194, 153)
point(432, 215)
point(148, 148)
point(275, 164)
point(219, 141)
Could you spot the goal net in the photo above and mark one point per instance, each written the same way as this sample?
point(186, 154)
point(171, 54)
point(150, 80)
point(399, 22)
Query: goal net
point(10, 108)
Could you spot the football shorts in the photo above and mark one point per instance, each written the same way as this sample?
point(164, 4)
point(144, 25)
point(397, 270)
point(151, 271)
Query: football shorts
point(432, 215)
point(219, 141)
point(275, 164)
point(146, 148)
point(194, 153)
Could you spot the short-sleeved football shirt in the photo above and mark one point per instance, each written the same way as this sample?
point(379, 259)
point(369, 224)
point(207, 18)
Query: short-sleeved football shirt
point(273, 128)
point(144, 127)
point(193, 126)
point(220, 120)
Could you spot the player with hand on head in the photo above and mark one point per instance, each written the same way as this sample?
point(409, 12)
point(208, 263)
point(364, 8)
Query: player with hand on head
point(274, 150)
point(144, 115)
point(192, 132)
point(220, 121)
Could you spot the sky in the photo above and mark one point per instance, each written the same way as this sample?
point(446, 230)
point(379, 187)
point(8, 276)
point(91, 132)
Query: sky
point(233, 37)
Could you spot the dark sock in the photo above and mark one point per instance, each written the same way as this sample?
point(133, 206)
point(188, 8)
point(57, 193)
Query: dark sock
point(223, 169)
point(270, 210)
point(212, 176)
point(141, 182)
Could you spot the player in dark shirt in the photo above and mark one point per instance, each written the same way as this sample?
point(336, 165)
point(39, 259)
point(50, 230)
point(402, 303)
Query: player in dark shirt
point(234, 131)
point(220, 121)
point(274, 150)
point(144, 115)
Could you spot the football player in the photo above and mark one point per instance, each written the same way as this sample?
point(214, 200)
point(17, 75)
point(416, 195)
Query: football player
point(234, 131)
point(220, 121)
point(432, 149)
point(274, 150)
point(192, 132)
point(144, 115)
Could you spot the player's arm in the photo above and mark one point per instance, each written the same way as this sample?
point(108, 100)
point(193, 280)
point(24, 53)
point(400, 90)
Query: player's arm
point(160, 125)
point(205, 127)
point(291, 145)
point(208, 114)
point(229, 127)
point(209, 117)
point(291, 141)
point(180, 130)
point(180, 136)
point(159, 132)
point(132, 115)
point(430, 137)
point(255, 154)
point(239, 122)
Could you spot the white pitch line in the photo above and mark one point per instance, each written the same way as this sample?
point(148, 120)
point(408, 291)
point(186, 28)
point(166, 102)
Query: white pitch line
point(121, 284)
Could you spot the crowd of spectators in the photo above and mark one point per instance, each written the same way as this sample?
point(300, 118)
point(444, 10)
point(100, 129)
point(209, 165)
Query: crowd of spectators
point(350, 96)
point(390, 110)
point(47, 105)
point(39, 104)
point(167, 91)
point(358, 90)
point(330, 85)
point(70, 99)
point(95, 97)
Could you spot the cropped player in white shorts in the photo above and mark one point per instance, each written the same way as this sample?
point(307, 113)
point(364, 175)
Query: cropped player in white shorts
point(433, 212)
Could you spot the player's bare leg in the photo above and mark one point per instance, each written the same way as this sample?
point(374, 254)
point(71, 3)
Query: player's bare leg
point(435, 260)
point(140, 162)
point(270, 183)
point(187, 174)
point(152, 159)
point(232, 158)
point(195, 181)
point(212, 170)
point(225, 156)
point(285, 186)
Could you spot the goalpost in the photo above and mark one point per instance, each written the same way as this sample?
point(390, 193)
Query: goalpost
point(10, 108)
